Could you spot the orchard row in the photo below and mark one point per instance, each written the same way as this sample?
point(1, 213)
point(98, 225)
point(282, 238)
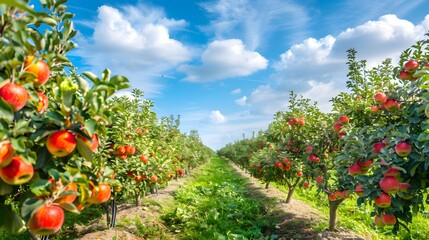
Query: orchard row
point(373, 144)
point(66, 141)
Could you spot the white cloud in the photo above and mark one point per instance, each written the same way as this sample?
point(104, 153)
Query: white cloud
point(224, 59)
point(317, 67)
point(134, 41)
point(236, 91)
point(216, 117)
point(241, 101)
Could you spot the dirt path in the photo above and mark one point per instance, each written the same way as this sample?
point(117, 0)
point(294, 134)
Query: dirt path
point(293, 220)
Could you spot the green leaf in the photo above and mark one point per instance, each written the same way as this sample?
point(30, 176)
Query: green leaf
point(55, 174)
point(18, 4)
point(91, 126)
point(91, 76)
point(29, 206)
point(49, 20)
point(41, 187)
point(84, 150)
point(6, 111)
point(69, 207)
point(83, 84)
point(9, 221)
point(19, 144)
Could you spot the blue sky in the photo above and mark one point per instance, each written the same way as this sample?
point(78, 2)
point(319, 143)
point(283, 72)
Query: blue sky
point(226, 66)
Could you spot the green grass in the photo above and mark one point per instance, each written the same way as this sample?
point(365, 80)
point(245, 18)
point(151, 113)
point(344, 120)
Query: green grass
point(358, 219)
point(213, 205)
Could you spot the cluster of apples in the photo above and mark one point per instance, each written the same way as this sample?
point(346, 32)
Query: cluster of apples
point(384, 103)
point(283, 165)
point(295, 121)
point(338, 126)
point(410, 67)
point(125, 150)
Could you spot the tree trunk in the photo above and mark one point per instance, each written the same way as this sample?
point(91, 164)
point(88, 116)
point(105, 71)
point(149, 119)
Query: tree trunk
point(290, 194)
point(107, 209)
point(333, 209)
point(137, 200)
point(267, 185)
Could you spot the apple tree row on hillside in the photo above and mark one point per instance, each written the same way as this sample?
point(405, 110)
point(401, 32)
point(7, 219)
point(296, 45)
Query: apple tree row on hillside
point(373, 143)
point(65, 141)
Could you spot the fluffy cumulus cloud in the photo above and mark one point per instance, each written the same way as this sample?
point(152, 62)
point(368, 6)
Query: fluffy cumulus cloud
point(216, 117)
point(224, 59)
point(317, 67)
point(133, 41)
point(241, 101)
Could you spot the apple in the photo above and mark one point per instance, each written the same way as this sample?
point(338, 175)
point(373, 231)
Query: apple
point(99, 194)
point(391, 105)
point(377, 147)
point(122, 156)
point(144, 158)
point(39, 68)
point(121, 150)
point(68, 198)
point(343, 119)
point(359, 190)
point(411, 66)
point(15, 95)
point(392, 172)
point(42, 103)
point(139, 131)
point(47, 220)
point(374, 109)
point(293, 121)
point(388, 219)
point(365, 165)
point(380, 98)
point(405, 75)
point(319, 179)
point(299, 173)
point(309, 148)
point(404, 186)
point(389, 185)
point(306, 185)
point(61, 143)
point(313, 158)
point(138, 178)
point(403, 149)
point(355, 170)
point(93, 145)
point(341, 135)
point(181, 172)
point(383, 201)
point(6, 153)
point(17, 172)
point(130, 149)
point(154, 178)
point(337, 127)
point(130, 174)
point(301, 122)
point(378, 221)
point(286, 160)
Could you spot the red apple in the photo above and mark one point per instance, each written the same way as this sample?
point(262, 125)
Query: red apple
point(154, 178)
point(14, 94)
point(39, 68)
point(301, 122)
point(47, 220)
point(392, 172)
point(378, 221)
point(411, 66)
point(389, 185)
point(306, 185)
point(359, 191)
point(341, 135)
point(68, 198)
point(17, 172)
point(337, 127)
point(388, 219)
point(404, 186)
point(403, 149)
point(365, 165)
point(374, 109)
point(139, 131)
point(42, 103)
point(61, 143)
point(383, 201)
point(6, 153)
point(93, 145)
point(144, 158)
point(377, 147)
point(319, 179)
point(380, 98)
point(355, 170)
point(391, 105)
point(99, 194)
point(130, 149)
point(309, 148)
point(343, 119)
point(299, 173)
point(313, 158)
point(405, 75)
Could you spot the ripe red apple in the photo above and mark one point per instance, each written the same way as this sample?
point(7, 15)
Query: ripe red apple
point(39, 68)
point(301, 122)
point(389, 185)
point(17, 172)
point(293, 121)
point(99, 194)
point(377, 147)
point(341, 135)
point(392, 171)
point(319, 179)
point(306, 185)
point(355, 170)
point(61, 143)
point(130, 174)
point(374, 109)
point(388, 219)
point(138, 178)
point(154, 178)
point(144, 158)
point(313, 158)
point(121, 150)
point(181, 172)
point(343, 119)
point(359, 190)
point(299, 173)
point(42, 104)
point(380, 98)
point(68, 198)
point(365, 164)
point(130, 150)
point(383, 201)
point(139, 131)
point(14, 94)
point(405, 75)
point(93, 145)
point(378, 221)
point(6, 153)
point(309, 148)
point(411, 66)
point(337, 127)
point(391, 105)
point(404, 186)
point(403, 149)
point(47, 220)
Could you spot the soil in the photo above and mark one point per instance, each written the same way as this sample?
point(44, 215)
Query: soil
point(289, 221)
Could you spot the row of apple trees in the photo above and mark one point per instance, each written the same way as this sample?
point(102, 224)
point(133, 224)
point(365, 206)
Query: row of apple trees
point(374, 143)
point(65, 141)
